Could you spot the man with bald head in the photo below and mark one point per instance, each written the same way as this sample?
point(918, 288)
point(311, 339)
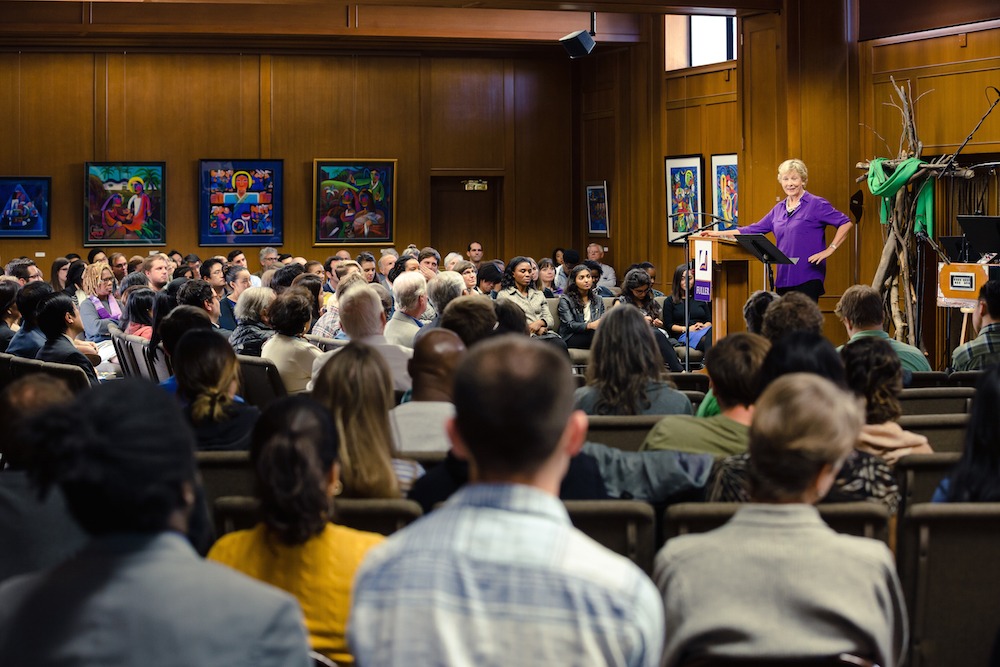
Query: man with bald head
point(419, 424)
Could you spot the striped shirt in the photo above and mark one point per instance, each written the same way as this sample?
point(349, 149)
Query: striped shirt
point(979, 352)
point(499, 576)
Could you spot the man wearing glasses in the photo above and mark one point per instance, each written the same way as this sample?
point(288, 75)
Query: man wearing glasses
point(268, 258)
point(25, 270)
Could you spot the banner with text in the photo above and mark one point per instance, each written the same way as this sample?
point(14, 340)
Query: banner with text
point(703, 271)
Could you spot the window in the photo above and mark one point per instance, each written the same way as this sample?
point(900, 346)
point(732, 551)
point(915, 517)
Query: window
point(699, 40)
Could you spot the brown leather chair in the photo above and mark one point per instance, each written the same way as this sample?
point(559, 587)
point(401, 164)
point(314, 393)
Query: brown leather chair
point(945, 433)
point(627, 527)
point(625, 433)
point(937, 400)
point(260, 382)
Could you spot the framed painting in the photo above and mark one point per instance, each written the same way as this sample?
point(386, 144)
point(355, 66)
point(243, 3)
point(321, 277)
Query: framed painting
point(354, 201)
point(26, 212)
point(597, 209)
point(125, 204)
point(725, 193)
point(683, 181)
point(240, 202)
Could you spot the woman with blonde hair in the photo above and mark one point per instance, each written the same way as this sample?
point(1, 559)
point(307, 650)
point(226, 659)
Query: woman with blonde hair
point(99, 309)
point(208, 375)
point(356, 386)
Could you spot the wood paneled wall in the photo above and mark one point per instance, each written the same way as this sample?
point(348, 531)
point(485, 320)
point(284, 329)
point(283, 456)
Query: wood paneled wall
point(492, 115)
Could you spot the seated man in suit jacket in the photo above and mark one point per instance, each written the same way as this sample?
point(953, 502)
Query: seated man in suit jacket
point(60, 321)
point(137, 594)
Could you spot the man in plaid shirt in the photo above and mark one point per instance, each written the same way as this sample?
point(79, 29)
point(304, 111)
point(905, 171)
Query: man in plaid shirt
point(984, 349)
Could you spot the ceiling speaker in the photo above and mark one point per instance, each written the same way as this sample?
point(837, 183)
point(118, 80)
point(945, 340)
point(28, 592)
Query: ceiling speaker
point(578, 44)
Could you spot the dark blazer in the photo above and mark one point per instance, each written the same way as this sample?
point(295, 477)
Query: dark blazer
point(62, 351)
point(227, 314)
point(571, 316)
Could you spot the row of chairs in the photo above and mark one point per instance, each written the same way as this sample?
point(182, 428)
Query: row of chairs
point(940, 379)
point(13, 368)
point(136, 358)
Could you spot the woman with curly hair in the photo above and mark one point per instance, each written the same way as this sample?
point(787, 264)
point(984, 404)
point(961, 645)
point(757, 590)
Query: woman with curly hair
point(100, 308)
point(637, 290)
point(625, 372)
point(208, 375)
point(580, 309)
point(356, 386)
point(517, 287)
point(294, 452)
point(290, 316)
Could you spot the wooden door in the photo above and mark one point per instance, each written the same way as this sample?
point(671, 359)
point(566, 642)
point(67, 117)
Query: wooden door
point(460, 216)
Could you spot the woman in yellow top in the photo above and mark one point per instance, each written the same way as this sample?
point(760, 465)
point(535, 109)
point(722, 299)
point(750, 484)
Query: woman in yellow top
point(294, 451)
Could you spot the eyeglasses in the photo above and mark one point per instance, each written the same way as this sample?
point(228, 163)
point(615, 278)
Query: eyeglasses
point(107, 280)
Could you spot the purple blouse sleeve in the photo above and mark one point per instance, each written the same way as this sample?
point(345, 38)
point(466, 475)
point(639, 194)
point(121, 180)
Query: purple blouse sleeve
point(828, 214)
point(762, 226)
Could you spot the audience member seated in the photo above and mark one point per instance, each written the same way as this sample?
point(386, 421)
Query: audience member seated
point(861, 311)
point(409, 290)
point(776, 581)
point(252, 330)
point(237, 280)
point(625, 371)
point(179, 321)
point(139, 312)
point(24, 270)
point(418, 425)
point(733, 365)
point(28, 340)
point(284, 276)
point(136, 278)
point(296, 548)
point(535, 590)
point(580, 309)
point(37, 533)
point(445, 288)
point(9, 314)
point(328, 324)
point(207, 374)
point(790, 313)
point(137, 594)
point(698, 312)
point(59, 319)
point(570, 259)
point(74, 281)
point(636, 291)
point(516, 286)
point(199, 293)
point(546, 282)
point(313, 285)
point(595, 274)
point(605, 274)
point(99, 309)
point(163, 304)
point(155, 268)
point(472, 317)
point(976, 476)
point(290, 315)
point(363, 320)
point(510, 319)
point(984, 349)
point(488, 280)
point(467, 270)
point(874, 374)
point(356, 386)
point(863, 476)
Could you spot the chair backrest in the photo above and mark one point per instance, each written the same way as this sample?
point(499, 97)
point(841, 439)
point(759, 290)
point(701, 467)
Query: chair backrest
point(225, 474)
point(157, 363)
point(928, 379)
point(21, 366)
point(946, 561)
point(627, 527)
point(691, 381)
point(937, 400)
point(554, 309)
point(376, 515)
point(6, 375)
point(696, 397)
point(72, 375)
point(964, 378)
point(260, 382)
point(123, 351)
point(864, 519)
point(427, 459)
point(919, 475)
point(945, 433)
point(326, 344)
point(625, 433)
point(232, 513)
point(139, 346)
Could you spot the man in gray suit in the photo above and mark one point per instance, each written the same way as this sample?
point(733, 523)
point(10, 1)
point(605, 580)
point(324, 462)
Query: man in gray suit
point(137, 594)
point(775, 581)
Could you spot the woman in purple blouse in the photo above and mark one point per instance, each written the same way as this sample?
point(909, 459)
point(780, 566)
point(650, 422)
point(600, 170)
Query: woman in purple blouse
point(798, 224)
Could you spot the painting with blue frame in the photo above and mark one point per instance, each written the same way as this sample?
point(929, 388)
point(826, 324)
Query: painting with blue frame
point(26, 212)
point(354, 201)
point(125, 203)
point(241, 203)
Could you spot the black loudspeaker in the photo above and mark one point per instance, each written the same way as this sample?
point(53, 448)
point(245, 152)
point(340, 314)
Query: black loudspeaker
point(578, 44)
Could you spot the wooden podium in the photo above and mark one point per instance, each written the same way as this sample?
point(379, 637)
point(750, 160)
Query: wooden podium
point(730, 283)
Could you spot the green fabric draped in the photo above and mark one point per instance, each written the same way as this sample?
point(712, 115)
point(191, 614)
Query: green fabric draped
point(886, 187)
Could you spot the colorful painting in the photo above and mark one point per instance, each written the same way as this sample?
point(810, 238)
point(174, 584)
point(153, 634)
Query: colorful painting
point(25, 213)
point(125, 204)
point(354, 201)
point(725, 193)
point(597, 209)
point(241, 203)
point(683, 176)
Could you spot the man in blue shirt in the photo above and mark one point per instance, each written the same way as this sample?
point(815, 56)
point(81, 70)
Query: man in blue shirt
point(499, 574)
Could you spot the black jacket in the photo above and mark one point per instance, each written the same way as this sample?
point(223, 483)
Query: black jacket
point(61, 351)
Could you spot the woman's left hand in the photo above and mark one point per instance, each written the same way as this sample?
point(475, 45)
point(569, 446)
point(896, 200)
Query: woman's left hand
point(820, 256)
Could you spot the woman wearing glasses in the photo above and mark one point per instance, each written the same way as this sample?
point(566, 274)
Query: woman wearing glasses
point(637, 290)
point(100, 308)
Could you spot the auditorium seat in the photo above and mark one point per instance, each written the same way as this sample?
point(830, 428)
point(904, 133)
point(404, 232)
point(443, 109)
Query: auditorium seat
point(691, 381)
point(627, 527)
point(625, 433)
point(918, 476)
point(862, 518)
point(72, 375)
point(260, 383)
point(137, 355)
point(375, 515)
point(428, 460)
point(964, 378)
point(947, 564)
point(6, 375)
point(159, 367)
point(21, 366)
point(225, 474)
point(696, 397)
point(126, 359)
point(576, 357)
point(928, 379)
point(936, 400)
point(945, 433)
point(326, 344)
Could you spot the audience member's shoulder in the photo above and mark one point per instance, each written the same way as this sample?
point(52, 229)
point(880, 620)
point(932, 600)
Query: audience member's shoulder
point(592, 561)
